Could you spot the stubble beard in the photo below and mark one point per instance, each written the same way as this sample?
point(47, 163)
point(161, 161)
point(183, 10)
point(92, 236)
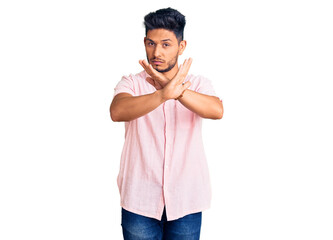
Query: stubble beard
point(170, 64)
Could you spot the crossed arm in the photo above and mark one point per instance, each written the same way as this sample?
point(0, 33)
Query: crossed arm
point(126, 107)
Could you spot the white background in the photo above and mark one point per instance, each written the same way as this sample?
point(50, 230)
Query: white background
point(270, 157)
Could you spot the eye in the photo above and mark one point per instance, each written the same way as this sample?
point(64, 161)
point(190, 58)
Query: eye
point(150, 44)
point(166, 45)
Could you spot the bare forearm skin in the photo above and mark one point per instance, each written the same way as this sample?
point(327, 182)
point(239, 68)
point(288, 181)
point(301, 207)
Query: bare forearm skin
point(126, 107)
point(204, 105)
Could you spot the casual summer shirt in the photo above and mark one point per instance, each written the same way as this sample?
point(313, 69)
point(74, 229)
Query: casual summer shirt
point(163, 161)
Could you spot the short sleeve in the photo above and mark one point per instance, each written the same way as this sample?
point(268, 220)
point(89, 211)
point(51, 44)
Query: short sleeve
point(205, 87)
point(125, 85)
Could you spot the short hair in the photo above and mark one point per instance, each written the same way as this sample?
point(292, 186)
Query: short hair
point(166, 18)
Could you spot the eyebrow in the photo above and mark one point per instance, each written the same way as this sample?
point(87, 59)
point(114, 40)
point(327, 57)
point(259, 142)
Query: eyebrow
point(164, 40)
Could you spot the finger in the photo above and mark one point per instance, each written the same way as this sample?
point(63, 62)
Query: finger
point(158, 85)
point(159, 77)
point(188, 65)
point(148, 68)
point(143, 65)
point(186, 85)
point(140, 62)
point(177, 76)
point(181, 74)
point(150, 80)
point(186, 68)
point(145, 62)
point(181, 69)
point(151, 69)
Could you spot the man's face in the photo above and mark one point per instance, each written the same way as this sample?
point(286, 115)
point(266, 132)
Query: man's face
point(163, 49)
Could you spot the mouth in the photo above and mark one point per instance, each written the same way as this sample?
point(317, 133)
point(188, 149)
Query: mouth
point(157, 62)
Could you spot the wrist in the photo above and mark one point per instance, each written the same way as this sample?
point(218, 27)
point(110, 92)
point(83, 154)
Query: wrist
point(181, 95)
point(159, 94)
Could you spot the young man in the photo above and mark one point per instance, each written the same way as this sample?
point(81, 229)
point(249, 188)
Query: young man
point(163, 179)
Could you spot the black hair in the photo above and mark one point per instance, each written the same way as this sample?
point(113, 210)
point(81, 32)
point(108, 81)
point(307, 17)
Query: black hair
point(166, 18)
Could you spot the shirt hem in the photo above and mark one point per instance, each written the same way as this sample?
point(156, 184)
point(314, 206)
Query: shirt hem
point(201, 209)
point(171, 218)
point(140, 212)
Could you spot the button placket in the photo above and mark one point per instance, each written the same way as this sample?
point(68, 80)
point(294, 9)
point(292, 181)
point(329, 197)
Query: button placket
point(166, 151)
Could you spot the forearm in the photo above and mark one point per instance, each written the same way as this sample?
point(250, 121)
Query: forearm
point(204, 105)
point(128, 108)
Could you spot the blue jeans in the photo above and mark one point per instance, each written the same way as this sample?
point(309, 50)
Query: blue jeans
point(138, 227)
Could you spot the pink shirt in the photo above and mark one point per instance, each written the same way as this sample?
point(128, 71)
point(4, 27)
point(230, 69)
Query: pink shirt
point(163, 160)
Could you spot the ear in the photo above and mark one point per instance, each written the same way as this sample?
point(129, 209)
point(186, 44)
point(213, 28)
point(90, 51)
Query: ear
point(182, 46)
point(144, 40)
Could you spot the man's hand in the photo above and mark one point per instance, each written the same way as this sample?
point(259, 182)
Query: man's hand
point(157, 79)
point(170, 89)
point(176, 87)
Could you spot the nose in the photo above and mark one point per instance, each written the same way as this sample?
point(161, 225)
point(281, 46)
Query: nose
point(157, 51)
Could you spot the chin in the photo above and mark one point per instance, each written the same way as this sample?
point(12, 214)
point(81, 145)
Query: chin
point(162, 70)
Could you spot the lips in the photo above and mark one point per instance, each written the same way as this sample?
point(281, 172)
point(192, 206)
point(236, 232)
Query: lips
point(157, 61)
